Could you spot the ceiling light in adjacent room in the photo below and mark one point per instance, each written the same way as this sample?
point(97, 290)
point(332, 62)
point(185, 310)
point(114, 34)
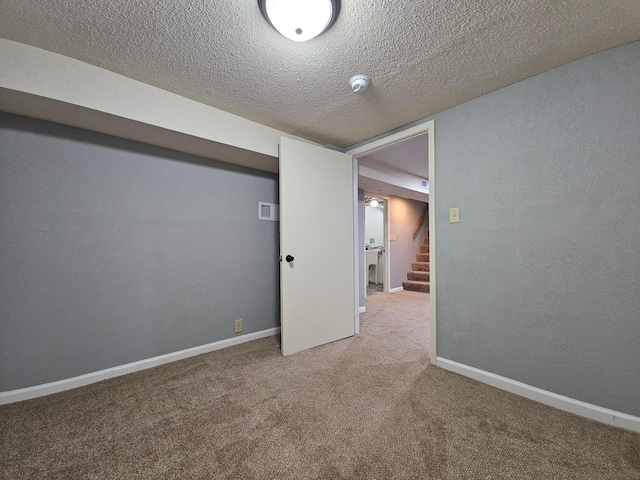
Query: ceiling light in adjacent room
point(300, 20)
point(374, 203)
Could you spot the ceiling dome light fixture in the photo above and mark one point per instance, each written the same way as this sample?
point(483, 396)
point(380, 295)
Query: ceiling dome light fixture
point(300, 20)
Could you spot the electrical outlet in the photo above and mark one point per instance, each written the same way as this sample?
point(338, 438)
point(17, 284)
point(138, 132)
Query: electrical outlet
point(237, 326)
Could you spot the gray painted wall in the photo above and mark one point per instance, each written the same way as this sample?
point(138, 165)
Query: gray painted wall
point(540, 282)
point(112, 251)
point(403, 217)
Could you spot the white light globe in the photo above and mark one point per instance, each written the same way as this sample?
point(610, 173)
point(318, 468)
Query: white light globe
point(299, 20)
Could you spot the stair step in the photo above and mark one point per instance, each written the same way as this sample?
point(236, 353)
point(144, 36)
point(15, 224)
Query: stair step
point(426, 241)
point(422, 257)
point(424, 248)
point(420, 266)
point(416, 286)
point(419, 276)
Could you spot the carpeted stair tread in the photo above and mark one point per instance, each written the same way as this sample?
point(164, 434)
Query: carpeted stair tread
point(420, 266)
point(416, 286)
point(418, 276)
point(422, 257)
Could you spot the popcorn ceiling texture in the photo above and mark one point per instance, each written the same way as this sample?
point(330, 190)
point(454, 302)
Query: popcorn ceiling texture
point(423, 56)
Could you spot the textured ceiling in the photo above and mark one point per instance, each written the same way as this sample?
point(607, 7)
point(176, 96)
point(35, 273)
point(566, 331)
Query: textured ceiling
point(423, 56)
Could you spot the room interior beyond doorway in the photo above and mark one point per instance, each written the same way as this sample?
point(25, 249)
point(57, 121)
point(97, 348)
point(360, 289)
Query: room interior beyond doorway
point(375, 244)
point(424, 131)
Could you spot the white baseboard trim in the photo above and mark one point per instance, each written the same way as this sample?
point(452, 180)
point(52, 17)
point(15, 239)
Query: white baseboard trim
point(362, 309)
point(397, 289)
point(94, 377)
point(577, 407)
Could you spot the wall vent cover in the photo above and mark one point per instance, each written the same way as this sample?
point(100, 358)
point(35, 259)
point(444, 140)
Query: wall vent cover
point(268, 211)
point(424, 183)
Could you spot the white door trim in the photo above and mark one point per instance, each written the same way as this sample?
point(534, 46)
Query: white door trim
point(375, 145)
point(356, 251)
point(387, 251)
point(392, 139)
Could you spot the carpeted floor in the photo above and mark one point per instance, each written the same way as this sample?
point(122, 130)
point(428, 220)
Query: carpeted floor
point(368, 407)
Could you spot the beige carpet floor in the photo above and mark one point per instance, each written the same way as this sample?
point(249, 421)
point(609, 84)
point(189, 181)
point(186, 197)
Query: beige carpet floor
point(368, 407)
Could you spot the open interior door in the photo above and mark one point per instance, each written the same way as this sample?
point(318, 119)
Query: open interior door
point(317, 274)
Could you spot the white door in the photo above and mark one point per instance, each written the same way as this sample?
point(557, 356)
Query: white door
point(317, 274)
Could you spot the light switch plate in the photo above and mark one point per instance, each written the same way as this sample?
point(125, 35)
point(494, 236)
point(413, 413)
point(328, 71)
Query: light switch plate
point(454, 215)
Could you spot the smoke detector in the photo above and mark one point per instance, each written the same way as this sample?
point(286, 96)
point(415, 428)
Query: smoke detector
point(359, 83)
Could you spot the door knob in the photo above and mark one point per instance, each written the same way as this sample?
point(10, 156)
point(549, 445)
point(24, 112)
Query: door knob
point(289, 258)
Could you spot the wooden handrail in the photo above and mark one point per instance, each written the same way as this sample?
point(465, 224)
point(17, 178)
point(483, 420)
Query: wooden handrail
point(420, 220)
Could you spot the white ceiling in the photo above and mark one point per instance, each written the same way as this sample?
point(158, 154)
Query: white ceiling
point(423, 56)
point(410, 156)
point(375, 187)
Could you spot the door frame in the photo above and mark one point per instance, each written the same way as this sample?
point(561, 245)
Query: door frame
point(385, 242)
point(356, 249)
point(427, 128)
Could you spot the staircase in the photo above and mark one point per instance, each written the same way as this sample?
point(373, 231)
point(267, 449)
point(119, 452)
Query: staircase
point(418, 277)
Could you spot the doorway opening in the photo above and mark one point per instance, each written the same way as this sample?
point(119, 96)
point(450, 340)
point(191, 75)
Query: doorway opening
point(375, 244)
point(383, 176)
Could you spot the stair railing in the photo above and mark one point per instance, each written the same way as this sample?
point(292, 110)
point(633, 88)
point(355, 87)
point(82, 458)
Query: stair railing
point(420, 221)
